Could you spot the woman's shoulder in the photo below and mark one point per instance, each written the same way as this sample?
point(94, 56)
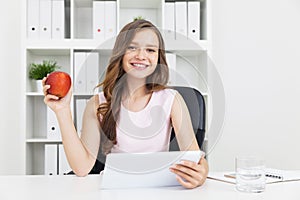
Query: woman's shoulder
point(100, 97)
point(96, 99)
point(166, 92)
point(166, 95)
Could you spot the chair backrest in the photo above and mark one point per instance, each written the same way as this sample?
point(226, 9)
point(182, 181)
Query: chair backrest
point(196, 106)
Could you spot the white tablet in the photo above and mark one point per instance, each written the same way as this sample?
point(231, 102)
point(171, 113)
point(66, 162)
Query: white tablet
point(128, 170)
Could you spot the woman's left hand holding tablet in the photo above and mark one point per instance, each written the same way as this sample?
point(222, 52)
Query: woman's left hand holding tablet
point(190, 174)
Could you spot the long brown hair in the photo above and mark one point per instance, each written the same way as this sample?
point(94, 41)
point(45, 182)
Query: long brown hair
point(113, 84)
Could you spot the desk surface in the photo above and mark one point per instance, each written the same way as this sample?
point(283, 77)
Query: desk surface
point(72, 187)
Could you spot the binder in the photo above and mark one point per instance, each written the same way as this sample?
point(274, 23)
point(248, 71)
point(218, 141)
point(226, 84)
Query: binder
point(194, 20)
point(50, 159)
point(92, 74)
point(63, 164)
point(181, 20)
point(171, 60)
point(53, 130)
point(80, 107)
point(98, 20)
point(110, 20)
point(80, 72)
point(58, 19)
point(169, 21)
point(33, 8)
point(45, 19)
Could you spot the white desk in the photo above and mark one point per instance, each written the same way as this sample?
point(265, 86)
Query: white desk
point(88, 188)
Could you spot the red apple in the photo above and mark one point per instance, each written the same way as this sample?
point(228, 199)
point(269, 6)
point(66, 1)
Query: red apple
point(60, 83)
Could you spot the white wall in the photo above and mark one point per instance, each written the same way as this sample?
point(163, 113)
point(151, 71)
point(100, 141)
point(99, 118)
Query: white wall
point(11, 145)
point(256, 50)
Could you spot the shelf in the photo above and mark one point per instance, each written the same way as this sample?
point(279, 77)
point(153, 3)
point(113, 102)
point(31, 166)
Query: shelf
point(34, 94)
point(186, 47)
point(86, 95)
point(191, 65)
point(42, 140)
point(63, 47)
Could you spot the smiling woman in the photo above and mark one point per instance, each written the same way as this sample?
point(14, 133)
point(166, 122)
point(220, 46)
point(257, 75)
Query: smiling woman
point(135, 112)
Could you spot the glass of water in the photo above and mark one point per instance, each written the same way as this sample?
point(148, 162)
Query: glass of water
point(250, 174)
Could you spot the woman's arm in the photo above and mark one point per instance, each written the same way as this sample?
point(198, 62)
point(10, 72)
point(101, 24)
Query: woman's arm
point(182, 125)
point(189, 174)
point(79, 152)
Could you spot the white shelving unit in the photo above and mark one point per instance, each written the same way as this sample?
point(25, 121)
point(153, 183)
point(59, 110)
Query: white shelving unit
point(191, 61)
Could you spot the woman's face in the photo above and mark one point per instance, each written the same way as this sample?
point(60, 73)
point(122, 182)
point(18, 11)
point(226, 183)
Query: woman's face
point(141, 56)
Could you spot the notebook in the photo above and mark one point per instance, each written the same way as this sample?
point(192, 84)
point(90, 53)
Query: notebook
point(272, 176)
point(131, 170)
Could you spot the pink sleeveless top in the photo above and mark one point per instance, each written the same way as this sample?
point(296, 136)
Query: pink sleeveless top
point(147, 130)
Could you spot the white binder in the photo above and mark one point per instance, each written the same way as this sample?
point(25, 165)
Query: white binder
point(171, 60)
point(169, 21)
point(33, 8)
point(181, 20)
point(98, 20)
point(50, 166)
point(80, 72)
point(45, 19)
point(80, 107)
point(92, 74)
point(58, 19)
point(53, 130)
point(63, 165)
point(194, 20)
point(110, 20)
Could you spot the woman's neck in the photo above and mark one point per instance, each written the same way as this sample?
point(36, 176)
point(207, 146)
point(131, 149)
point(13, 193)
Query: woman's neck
point(136, 88)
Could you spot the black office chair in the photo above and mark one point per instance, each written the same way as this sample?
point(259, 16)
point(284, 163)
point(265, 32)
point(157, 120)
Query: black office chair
point(196, 106)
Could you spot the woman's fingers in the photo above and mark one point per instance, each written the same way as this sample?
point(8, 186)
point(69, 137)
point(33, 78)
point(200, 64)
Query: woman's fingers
point(45, 89)
point(44, 81)
point(50, 97)
point(191, 179)
point(185, 184)
point(190, 174)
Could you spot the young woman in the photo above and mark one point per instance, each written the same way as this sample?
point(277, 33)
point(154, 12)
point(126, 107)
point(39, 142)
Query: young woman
point(135, 111)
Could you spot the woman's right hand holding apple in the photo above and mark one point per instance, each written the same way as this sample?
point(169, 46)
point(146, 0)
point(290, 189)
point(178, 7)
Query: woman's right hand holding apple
point(54, 102)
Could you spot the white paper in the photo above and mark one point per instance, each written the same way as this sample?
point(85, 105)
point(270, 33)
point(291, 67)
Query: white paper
point(171, 60)
point(53, 131)
point(50, 159)
point(58, 19)
point(80, 72)
point(194, 20)
point(33, 19)
point(63, 165)
point(181, 20)
point(110, 22)
point(169, 20)
point(45, 19)
point(98, 20)
point(92, 71)
point(80, 106)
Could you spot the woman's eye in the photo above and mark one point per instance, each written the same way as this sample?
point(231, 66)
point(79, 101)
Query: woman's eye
point(151, 50)
point(131, 48)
